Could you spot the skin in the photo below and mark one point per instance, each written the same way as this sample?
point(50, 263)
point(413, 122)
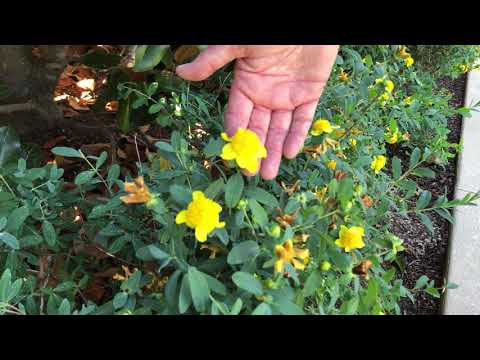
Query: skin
point(275, 92)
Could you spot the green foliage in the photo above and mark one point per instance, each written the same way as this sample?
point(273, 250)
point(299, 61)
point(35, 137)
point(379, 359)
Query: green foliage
point(148, 264)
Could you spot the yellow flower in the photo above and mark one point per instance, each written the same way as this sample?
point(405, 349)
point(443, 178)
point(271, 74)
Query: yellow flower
point(391, 137)
point(331, 164)
point(378, 163)
point(402, 52)
point(463, 68)
point(321, 126)
point(408, 61)
point(343, 76)
point(350, 238)
point(352, 141)
point(202, 214)
point(389, 86)
point(408, 100)
point(139, 193)
point(287, 253)
point(384, 97)
point(245, 148)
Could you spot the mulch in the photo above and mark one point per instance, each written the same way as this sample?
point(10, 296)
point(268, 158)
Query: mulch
point(425, 253)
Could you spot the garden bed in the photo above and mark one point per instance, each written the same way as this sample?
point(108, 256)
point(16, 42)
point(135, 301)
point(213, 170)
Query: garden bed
point(425, 253)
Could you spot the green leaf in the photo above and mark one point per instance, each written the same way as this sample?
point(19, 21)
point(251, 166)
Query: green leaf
point(149, 56)
point(426, 221)
point(222, 235)
point(9, 146)
point(64, 308)
point(414, 157)
point(67, 152)
point(433, 291)
point(113, 174)
point(199, 289)
point(312, 283)
point(157, 253)
point(120, 300)
point(349, 307)
point(213, 147)
point(247, 282)
point(171, 288)
point(421, 282)
point(424, 172)
point(123, 115)
point(17, 218)
point(215, 189)
point(5, 285)
point(185, 297)
point(396, 168)
point(84, 177)
point(233, 190)
point(451, 286)
point(101, 159)
point(370, 297)
point(215, 285)
point(180, 194)
point(262, 309)
point(237, 307)
point(243, 252)
point(345, 190)
point(3, 223)
point(155, 108)
point(258, 213)
point(286, 307)
point(423, 200)
point(9, 240)
point(262, 196)
point(49, 233)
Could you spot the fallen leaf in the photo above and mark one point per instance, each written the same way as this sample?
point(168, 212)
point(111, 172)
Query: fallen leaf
point(87, 84)
point(74, 103)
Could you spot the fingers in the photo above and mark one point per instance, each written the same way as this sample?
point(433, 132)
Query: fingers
point(259, 123)
point(277, 132)
point(209, 61)
point(239, 111)
point(302, 119)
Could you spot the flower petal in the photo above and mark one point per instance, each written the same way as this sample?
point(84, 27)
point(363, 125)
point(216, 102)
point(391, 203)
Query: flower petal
point(197, 195)
point(181, 217)
point(228, 153)
point(201, 234)
point(278, 266)
point(298, 265)
point(226, 137)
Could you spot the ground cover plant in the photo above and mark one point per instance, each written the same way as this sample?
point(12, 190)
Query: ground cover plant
point(181, 230)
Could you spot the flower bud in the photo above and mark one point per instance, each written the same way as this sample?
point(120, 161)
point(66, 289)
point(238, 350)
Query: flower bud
point(325, 266)
point(275, 230)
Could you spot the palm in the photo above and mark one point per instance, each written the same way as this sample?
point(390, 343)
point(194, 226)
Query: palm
point(274, 93)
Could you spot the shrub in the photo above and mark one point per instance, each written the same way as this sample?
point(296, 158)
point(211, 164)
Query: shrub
point(315, 240)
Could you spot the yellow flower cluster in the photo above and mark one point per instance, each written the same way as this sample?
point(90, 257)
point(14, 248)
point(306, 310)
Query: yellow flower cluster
point(245, 148)
point(288, 254)
point(202, 214)
point(378, 163)
point(343, 76)
point(405, 55)
point(321, 126)
point(350, 238)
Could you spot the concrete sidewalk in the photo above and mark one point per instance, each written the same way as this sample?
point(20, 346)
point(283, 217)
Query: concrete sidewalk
point(464, 248)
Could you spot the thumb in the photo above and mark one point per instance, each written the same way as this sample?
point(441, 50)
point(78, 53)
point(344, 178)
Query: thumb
point(209, 61)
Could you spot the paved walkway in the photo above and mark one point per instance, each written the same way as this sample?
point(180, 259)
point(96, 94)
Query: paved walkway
point(464, 248)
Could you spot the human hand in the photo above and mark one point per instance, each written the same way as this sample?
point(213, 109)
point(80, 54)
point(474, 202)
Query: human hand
point(275, 92)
